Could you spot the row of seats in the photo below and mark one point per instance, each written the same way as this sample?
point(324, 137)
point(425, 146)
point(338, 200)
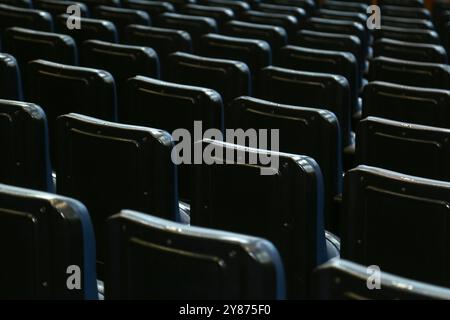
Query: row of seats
point(312, 74)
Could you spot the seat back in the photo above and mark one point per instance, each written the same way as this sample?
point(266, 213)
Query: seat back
point(121, 17)
point(92, 29)
point(341, 279)
point(145, 262)
point(152, 8)
point(405, 12)
point(230, 78)
point(306, 131)
point(424, 106)
point(308, 5)
point(342, 15)
point(356, 6)
point(26, 18)
point(122, 61)
point(169, 106)
point(407, 23)
point(326, 61)
point(62, 89)
point(110, 166)
point(220, 15)
point(410, 51)
point(235, 5)
point(45, 240)
point(410, 73)
point(297, 12)
point(287, 22)
point(408, 35)
point(376, 203)
point(404, 147)
point(309, 89)
point(194, 25)
point(56, 7)
point(280, 200)
point(25, 158)
point(273, 35)
point(10, 80)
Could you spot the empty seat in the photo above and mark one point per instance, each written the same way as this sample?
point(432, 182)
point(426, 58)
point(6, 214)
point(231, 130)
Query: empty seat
point(169, 106)
point(346, 6)
point(163, 41)
point(122, 61)
point(194, 25)
point(407, 23)
point(18, 3)
point(235, 5)
point(178, 4)
point(24, 143)
point(343, 15)
point(94, 3)
point(407, 34)
point(308, 5)
point(27, 45)
point(57, 7)
point(280, 200)
point(152, 8)
point(326, 61)
point(417, 150)
point(92, 29)
point(331, 41)
point(340, 27)
point(61, 89)
point(406, 12)
point(341, 279)
point(121, 17)
point(26, 18)
point(297, 12)
point(46, 241)
point(403, 3)
point(412, 73)
point(109, 166)
point(230, 78)
point(273, 35)
point(255, 53)
point(220, 15)
point(287, 22)
point(376, 203)
point(10, 80)
point(309, 89)
point(305, 131)
point(145, 262)
point(409, 104)
point(410, 51)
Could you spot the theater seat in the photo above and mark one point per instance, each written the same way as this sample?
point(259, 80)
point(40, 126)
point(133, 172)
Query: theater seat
point(342, 15)
point(121, 17)
point(403, 147)
point(308, 5)
point(169, 106)
point(235, 5)
point(194, 25)
point(146, 255)
point(24, 146)
point(408, 35)
point(57, 7)
point(45, 240)
point(228, 77)
point(403, 3)
point(409, 23)
point(280, 201)
point(410, 51)
point(26, 18)
point(424, 106)
point(405, 12)
point(27, 45)
point(346, 6)
point(152, 8)
point(10, 80)
point(341, 279)
point(92, 29)
point(62, 89)
point(410, 73)
point(287, 22)
point(220, 15)
point(326, 61)
point(306, 131)
point(309, 89)
point(256, 54)
point(297, 12)
point(273, 35)
point(109, 166)
point(393, 220)
point(122, 61)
